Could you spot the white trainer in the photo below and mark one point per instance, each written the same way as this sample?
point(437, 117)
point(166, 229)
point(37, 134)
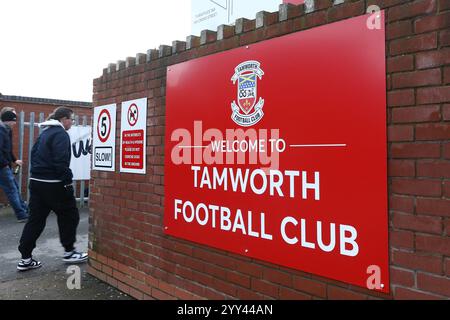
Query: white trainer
point(75, 257)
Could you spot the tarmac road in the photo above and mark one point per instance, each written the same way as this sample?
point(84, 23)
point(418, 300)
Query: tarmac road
point(49, 281)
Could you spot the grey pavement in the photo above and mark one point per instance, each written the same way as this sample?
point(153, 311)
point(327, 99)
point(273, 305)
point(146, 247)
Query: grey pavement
point(49, 281)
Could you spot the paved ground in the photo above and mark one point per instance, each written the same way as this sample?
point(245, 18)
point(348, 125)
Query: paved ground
point(50, 281)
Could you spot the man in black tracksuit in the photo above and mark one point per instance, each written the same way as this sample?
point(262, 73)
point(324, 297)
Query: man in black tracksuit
point(51, 190)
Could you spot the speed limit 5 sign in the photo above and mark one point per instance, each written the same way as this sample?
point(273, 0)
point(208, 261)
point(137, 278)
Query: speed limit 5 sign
point(104, 138)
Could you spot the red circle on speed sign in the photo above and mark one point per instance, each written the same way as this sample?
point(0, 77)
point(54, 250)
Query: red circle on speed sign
point(133, 115)
point(104, 121)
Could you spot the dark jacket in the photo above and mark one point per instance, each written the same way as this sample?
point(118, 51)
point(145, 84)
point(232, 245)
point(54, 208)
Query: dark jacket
point(6, 155)
point(50, 156)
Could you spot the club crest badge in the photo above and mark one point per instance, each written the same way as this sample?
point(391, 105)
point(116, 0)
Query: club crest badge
point(248, 109)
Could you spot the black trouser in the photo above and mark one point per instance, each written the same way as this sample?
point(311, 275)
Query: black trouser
point(45, 197)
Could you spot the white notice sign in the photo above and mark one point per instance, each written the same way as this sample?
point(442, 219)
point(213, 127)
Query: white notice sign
point(209, 14)
point(133, 136)
point(104, 138)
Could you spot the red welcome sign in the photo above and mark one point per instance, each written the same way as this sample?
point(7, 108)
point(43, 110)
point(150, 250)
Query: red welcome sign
point(277, 151)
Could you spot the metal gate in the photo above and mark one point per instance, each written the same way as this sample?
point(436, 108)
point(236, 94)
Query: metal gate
point(25, 145)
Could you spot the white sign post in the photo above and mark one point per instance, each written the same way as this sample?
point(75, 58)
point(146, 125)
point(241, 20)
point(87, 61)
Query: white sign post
point(80, 145)
point(104, 138)
point(133, 136)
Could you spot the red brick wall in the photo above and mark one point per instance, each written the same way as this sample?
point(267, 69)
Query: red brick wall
point(36, 105)
point(128, 248)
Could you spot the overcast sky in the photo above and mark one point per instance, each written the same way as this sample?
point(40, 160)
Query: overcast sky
point(55, 48)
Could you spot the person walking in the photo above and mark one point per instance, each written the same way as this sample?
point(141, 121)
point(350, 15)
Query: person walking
point(16, 161)
point(7, 181)
point(51, 189)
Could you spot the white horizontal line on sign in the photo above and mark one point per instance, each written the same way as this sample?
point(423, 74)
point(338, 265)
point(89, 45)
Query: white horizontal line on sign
point(316, 145)
point(192, 147)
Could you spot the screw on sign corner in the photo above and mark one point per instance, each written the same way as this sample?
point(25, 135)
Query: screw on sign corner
point(374, 20)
